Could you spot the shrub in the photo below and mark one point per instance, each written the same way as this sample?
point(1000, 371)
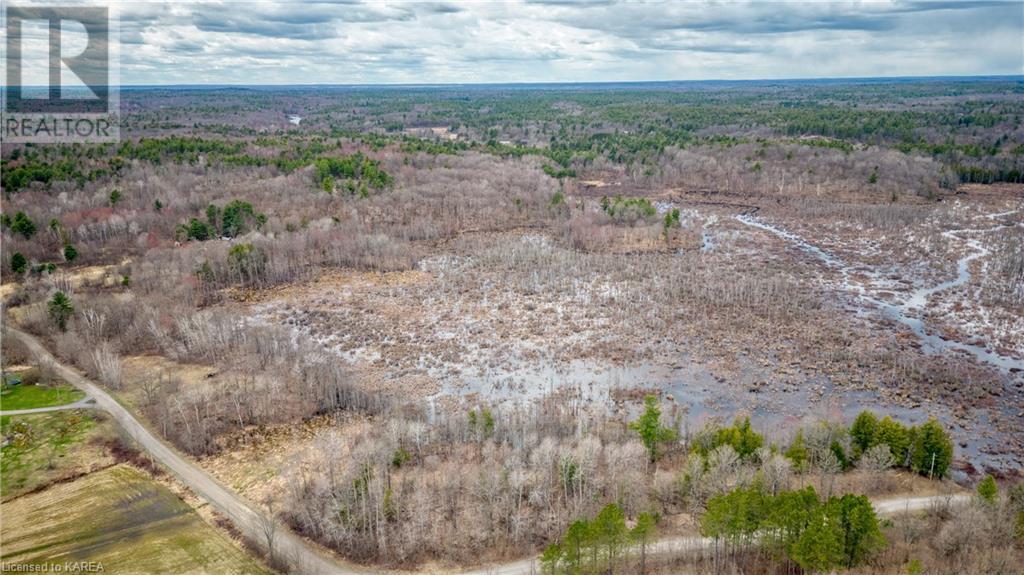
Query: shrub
point(988, 490)
point(741, 437)
point(22, 224)
point(70, 253)
point(629, 209)
point(239, 217)
point(195, 229)
point(18, 263)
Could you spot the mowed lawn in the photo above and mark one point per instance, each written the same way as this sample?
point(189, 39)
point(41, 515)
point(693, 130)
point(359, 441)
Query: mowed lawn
point(29, 396)
point(121, 518)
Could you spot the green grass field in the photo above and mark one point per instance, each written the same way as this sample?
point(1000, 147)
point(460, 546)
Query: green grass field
point(121, 518)
point(31, 396)
point(45, 447)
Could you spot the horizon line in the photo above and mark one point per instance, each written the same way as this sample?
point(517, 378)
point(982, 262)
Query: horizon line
point(976, 77)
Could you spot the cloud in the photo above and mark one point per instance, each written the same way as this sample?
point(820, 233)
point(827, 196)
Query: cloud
point(555, 40)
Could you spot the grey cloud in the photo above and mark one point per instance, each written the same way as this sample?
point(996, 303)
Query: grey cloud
point(551, 40)
point(304, 21)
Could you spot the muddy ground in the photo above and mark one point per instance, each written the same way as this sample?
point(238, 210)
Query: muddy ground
point(721, 317)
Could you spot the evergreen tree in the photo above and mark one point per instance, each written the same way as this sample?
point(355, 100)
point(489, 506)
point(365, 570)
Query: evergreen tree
point(863, 432)
point(550, 559)
point(22, 224)
point(649, 426)
point(609, 528)
point(18, 263)
point(644, 530)
point(988, 490)
point(817, 536)
point(741, 437)
point(932, 450)
point(890, 432)
point(213, 217)
point(861, 535)
point(576, 538)
point(837, 449)
point(797, 451)
point(820, 546)
point(70, 253)
point(788, 514)
point(60, 310)
point(239, 217)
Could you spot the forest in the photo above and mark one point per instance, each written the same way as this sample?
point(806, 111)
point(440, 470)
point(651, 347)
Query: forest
point(459, 325)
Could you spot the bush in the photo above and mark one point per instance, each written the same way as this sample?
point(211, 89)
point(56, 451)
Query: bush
point(70, 253)
point(22, 224)
point(195, 229)
point(988, 490)
point(741, 437)
point(18, 263)
point(628, 209)
point(239, 217)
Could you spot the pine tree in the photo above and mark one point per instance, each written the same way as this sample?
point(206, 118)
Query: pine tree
point(820, 545)
point(60, 310)
point(70, 253)
point(797, 452)
point(863, 432)
point(988, 490)
point(890, 432)
point(644, 530)
point(649, 426)
point(932, 450)
point(18, 263)
point(610, 531)
point(22, 224)
point(576, 538)
point(861, 535)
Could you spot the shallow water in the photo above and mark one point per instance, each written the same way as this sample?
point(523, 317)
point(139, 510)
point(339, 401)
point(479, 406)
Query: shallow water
point(908, 312)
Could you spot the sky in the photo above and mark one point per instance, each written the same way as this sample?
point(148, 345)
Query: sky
point(377, 42)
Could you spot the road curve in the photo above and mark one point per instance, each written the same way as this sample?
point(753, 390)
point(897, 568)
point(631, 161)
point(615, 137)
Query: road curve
point(299, 553)
point(302, 555)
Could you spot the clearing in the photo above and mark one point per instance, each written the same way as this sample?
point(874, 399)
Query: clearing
point(119, 518)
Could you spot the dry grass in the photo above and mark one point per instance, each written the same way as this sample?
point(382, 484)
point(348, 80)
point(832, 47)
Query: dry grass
point(122, 519)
